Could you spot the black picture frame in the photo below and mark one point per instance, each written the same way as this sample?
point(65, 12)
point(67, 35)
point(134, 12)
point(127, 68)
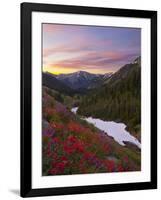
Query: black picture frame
point(26, 94)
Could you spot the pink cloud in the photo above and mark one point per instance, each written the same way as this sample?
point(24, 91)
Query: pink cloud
point(96, 60)
point(51, 28)
point(80, 45)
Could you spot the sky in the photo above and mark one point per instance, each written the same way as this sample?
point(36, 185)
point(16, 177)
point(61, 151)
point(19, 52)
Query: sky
point(95, 49)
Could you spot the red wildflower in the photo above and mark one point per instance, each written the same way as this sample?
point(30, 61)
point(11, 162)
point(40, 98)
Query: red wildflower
point(57, 126)
point(106, 148)
point(110, 164)
point(71, 138)
point(68, 149)
point(64, 159)
point(78, 146)
point(52, 171)
point(88, 155)
point(60, 166)
point(120, 168)
point(74, 127)
point(49, 153)
point(55, 140)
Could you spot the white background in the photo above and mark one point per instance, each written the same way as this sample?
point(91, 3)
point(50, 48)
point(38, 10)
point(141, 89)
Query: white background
point(89, 179)
point(9, 99)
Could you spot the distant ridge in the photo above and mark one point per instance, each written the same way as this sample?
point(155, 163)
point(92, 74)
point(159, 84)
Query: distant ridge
point(50, 81)
point(82, 80)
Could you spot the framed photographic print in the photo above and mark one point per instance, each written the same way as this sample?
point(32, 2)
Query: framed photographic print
point(88, 99)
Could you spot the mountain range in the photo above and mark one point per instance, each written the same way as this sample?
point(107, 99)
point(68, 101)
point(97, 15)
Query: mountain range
point(77, 82)
point(82, 80)
point(51, 82)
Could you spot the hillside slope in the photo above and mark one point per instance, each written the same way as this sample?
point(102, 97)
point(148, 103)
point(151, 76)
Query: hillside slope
point(51, 82)
point(72, 146)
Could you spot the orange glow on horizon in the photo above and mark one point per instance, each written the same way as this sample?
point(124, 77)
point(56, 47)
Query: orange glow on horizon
point(60, 70)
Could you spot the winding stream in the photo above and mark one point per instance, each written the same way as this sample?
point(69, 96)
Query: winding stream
point(114, 129)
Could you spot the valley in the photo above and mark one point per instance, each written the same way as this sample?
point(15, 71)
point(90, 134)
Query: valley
point(92, 122)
